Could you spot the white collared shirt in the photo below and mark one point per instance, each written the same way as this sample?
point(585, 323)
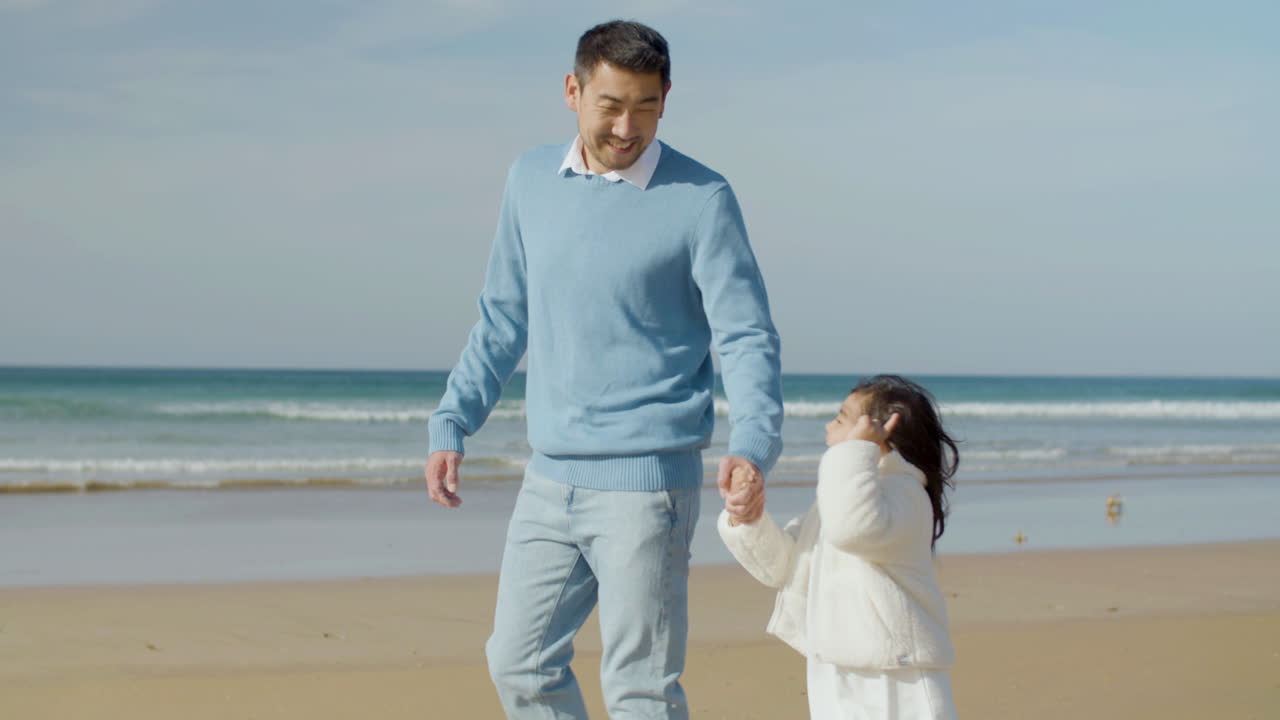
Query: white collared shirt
point(639, 174)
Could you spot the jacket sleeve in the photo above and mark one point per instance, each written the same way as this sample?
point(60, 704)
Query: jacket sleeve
point(497, 342)
point(859, 513)
point(737, 310)
point(764, 549)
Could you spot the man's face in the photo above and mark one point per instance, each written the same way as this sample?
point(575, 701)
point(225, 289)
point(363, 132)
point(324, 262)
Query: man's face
point(618, 113)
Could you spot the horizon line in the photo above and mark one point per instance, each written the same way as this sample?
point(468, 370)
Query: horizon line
point(297, 369)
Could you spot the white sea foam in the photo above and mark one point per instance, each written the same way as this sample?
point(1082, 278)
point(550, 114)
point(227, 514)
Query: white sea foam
point(1139, 410)
point(1168, 450)
point(801, 408)
point(1034, 454)
point(515, 410)
point(53, 475)
point(322, 412)
point(1060, 458)
point(83, 484)
point(198, 466)
point(1199, 453)
point(299, 411)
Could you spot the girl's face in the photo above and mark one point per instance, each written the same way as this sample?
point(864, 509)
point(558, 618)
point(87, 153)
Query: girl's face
point(841, 427)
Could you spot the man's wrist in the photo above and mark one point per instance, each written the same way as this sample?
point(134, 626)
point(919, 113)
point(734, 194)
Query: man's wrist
point(758, 450)
point(444, 434)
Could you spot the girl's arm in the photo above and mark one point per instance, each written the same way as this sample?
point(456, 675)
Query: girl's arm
point(764, 549)
point(858, 515)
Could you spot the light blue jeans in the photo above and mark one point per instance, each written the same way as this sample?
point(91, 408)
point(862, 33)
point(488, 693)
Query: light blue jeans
point(567, 548)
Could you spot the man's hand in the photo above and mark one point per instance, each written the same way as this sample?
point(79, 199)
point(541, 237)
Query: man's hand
point(745, 502)
point(442, 477)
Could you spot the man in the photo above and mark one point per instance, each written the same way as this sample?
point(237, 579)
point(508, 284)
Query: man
point(617, 263)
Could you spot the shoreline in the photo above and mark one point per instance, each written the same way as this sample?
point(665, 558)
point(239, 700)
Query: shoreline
point(784, 478)
point(1186, 631)
point(264, 534)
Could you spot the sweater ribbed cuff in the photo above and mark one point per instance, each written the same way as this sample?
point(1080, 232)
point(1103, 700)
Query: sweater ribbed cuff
point(443, 434)
point(759, 449)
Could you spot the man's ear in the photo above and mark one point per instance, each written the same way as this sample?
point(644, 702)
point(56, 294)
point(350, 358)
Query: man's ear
point(572, 91)
point(665, 90)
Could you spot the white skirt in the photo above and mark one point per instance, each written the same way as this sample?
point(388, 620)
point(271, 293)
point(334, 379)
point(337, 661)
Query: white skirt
point(842, 693)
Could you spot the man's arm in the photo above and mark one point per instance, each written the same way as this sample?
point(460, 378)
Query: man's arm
point(494, 348)
point(737, 308)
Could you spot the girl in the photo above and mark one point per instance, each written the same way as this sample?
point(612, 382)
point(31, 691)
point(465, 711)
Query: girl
point(857, 591)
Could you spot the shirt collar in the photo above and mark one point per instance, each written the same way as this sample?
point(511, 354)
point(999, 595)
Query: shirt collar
point(639, 174)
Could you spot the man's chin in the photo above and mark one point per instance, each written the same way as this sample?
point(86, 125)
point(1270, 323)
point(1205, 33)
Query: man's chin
point(618, 161)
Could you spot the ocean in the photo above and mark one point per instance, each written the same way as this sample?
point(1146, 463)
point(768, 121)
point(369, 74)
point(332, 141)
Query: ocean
point(111, 476)
point(121, 429)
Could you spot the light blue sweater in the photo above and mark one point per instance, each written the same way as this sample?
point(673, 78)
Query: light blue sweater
point(618, 293)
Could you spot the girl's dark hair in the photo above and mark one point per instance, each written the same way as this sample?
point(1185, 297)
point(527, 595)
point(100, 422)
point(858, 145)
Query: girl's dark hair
point(626, 44)
point(918, 436)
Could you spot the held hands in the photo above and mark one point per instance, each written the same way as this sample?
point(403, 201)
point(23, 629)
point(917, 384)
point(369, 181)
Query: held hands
point(866, 428)
point(742, 487)
point(442, 477)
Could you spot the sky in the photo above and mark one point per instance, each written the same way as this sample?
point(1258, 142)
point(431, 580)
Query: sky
point(986, 187)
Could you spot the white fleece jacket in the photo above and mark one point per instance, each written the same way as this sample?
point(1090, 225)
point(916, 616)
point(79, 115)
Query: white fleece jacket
point(855, 575)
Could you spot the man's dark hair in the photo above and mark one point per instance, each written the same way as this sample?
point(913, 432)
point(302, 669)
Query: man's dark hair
point(626, 44)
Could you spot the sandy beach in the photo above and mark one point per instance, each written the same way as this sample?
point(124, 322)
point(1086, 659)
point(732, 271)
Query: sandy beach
point(1169, 632)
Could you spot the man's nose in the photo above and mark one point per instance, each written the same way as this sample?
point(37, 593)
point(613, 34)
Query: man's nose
point(624, 127)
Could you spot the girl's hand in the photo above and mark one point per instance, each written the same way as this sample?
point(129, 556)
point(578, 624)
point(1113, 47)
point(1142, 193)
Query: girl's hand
point(865, 428)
